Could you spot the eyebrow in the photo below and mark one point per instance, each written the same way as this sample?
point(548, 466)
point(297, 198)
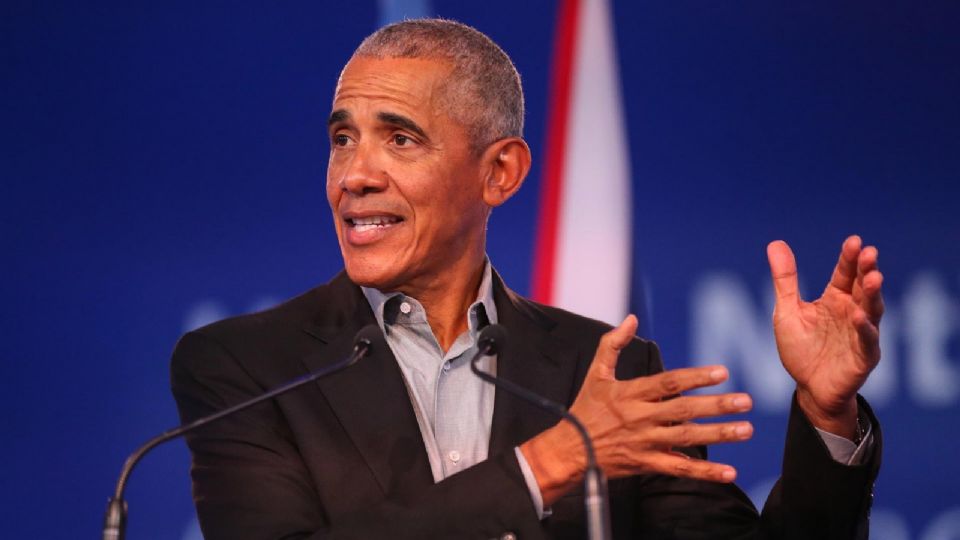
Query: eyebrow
point(394, 119)
point(402, 122)
point(339, 115)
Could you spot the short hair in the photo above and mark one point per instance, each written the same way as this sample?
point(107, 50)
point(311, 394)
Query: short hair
point(484, 91)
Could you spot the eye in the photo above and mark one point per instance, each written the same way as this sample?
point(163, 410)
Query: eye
point(340, 139)
point(402, 140)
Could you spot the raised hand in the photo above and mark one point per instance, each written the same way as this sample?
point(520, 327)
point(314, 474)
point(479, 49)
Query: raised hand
point(830, 345)
point(634, 429)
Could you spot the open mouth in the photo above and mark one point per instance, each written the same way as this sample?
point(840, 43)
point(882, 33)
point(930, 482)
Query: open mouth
point(371, 223)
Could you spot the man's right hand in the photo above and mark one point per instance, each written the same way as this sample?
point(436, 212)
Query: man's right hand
point(635, 424)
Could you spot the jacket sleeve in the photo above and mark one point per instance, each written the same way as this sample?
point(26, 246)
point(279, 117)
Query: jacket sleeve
point(815, 497)
point(250, 481)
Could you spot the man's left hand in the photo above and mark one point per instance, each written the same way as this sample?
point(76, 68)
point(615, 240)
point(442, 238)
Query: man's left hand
point(830, 345)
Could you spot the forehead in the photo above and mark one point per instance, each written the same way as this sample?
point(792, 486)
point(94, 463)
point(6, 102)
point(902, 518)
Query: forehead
point(410, 85)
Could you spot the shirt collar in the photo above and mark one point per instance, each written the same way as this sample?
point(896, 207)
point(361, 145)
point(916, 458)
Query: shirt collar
point(482, 311)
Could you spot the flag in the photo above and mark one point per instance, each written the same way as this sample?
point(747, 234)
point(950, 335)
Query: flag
point(583, 251)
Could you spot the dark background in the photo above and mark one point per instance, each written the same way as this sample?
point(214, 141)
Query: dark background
point(163, 165)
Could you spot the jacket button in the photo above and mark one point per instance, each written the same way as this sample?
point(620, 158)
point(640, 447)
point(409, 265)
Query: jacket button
point(508, 536)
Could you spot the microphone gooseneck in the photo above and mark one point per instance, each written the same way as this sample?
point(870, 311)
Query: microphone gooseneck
point(491, 341)
point(116, 517)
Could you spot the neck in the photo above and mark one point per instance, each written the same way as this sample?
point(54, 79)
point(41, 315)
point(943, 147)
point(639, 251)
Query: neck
point(447, 299)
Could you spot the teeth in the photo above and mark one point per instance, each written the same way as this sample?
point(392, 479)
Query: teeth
point(372, 222)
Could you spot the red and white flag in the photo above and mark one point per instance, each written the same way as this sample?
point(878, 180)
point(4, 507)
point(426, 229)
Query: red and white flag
point(583, 251)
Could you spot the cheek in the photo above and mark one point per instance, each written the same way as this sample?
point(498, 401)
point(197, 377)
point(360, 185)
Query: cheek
point(336, 164)
point(332, 197)
point(333, 189)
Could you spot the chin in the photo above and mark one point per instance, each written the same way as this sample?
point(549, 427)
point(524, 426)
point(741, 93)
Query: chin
point(374, 274)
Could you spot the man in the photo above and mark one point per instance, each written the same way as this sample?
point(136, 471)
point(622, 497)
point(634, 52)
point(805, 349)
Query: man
point(425, 136)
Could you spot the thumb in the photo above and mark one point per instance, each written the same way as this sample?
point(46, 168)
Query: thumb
point(608, 351)
point(783, 269)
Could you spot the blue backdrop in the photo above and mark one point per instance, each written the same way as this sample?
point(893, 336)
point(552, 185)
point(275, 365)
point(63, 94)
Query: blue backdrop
point(164, 166)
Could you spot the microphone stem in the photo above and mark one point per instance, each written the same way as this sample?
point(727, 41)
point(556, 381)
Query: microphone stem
point(594, 482)
point(116, 517)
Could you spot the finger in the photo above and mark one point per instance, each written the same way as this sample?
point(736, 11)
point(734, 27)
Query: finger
point(867, 260)
point(687, 408)
point(692, 434)
point(671, 383)
point(670, 463)
point(872, 302)
point(869, 281)
point(783, 270)
point(866, 263)
point(608, 351)
point(845, 273)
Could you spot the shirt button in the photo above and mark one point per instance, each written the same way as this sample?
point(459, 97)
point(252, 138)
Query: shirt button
point(446, 366)
point(508, 536)
point(405, 308)
point(454, 456)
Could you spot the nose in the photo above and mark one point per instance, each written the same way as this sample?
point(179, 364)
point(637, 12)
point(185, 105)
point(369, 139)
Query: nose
point(363, 173)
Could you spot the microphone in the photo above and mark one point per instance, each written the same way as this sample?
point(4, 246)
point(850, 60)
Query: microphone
point(491, 341)
point(115, 522)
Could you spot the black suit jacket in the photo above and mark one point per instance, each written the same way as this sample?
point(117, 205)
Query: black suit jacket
point(344, 458)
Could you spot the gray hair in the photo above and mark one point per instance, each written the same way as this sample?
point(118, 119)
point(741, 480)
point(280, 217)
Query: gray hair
point(483, 92)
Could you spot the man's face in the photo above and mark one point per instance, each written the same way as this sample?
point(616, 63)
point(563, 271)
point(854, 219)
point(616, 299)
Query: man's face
point(404, 186)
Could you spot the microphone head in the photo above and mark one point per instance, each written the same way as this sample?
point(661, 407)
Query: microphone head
point(492, 339)
point(367, 336)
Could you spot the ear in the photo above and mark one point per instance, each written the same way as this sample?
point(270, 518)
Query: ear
point(507, 163)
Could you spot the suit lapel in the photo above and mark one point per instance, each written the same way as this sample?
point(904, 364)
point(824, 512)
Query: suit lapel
point(533, 358)
point(369, 398)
